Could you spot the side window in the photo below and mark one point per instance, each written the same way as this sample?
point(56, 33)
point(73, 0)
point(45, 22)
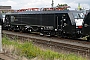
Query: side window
point(12, 18)
point(6, 18)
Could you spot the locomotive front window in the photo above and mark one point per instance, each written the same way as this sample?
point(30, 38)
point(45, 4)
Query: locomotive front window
point(78, 15)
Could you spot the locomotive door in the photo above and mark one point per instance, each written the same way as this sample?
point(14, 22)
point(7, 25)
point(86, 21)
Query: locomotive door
point(64, 23)
point(59, 23)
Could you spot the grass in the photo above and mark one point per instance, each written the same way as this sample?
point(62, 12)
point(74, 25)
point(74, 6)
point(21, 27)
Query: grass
point(27, 49)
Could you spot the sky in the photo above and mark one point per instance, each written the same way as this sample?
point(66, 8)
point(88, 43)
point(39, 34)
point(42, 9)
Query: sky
point(20, 4)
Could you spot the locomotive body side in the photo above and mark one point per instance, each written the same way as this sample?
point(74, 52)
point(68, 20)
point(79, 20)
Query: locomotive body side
point(45, 22)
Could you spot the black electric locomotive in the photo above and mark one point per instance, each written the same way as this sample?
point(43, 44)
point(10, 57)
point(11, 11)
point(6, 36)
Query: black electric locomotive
point(45, 22)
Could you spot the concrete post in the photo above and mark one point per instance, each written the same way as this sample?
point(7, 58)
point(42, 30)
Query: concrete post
point(0, 38)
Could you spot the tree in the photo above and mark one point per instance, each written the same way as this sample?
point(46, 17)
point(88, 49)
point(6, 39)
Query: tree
point(65, 6)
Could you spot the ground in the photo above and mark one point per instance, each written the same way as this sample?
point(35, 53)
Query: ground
point(4, 57)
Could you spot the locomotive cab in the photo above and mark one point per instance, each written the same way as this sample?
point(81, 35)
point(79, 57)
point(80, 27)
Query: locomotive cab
point(71, 24)
point(66, 24)
point(78, 17)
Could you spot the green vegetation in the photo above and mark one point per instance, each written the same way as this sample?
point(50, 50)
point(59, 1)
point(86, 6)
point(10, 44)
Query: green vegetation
point(27, 49)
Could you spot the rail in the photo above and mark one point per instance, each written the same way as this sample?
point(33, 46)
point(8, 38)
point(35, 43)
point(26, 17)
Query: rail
point(81, 50)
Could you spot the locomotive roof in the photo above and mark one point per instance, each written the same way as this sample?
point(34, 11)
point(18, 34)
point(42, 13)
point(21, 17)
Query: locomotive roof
point(43, 12)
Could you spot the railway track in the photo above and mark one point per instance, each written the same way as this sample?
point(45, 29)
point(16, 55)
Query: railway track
point(79, 47)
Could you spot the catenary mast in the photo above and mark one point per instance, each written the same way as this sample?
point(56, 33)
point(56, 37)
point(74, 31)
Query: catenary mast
point(52, 4)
